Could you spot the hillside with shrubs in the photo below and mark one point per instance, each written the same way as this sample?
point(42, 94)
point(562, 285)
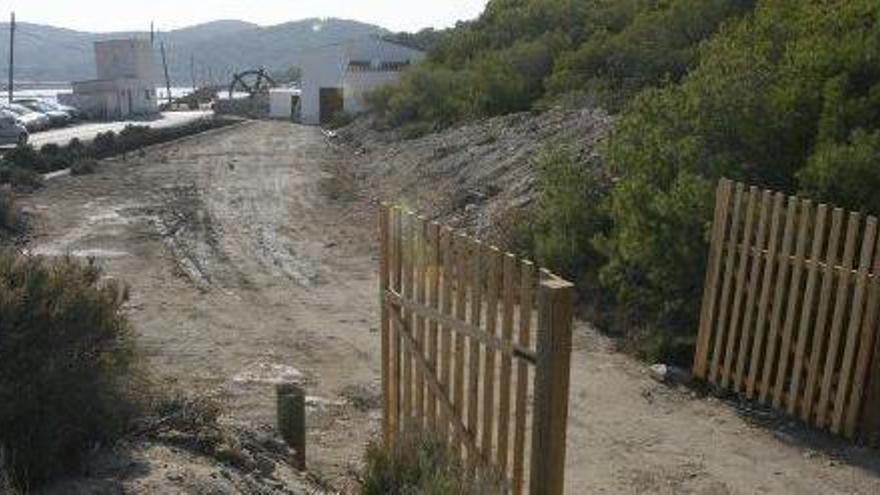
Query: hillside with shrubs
point(782, 94)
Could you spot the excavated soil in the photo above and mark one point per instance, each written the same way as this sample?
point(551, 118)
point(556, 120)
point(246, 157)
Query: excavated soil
point(251, 259)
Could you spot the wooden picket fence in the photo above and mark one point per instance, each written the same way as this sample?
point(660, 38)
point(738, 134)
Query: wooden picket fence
point(458, 355)
point(789, 312)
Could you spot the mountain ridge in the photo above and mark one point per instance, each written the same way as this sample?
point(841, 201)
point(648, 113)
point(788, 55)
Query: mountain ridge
point(219, 48)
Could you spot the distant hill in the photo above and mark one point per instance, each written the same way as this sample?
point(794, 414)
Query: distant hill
point(45, 53)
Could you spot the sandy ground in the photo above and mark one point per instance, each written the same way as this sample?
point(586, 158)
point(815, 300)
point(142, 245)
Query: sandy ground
point(244, 274)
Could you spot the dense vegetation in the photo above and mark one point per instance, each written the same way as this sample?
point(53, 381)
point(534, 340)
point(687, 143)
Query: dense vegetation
point(779, 93)
point(522, 52)
point(69, 378)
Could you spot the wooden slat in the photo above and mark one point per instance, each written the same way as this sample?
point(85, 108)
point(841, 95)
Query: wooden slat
point(476, 276)
point(855, 324)
point(446, 244)
point(840, 308)
point(777, 304)
point(493, 342)
point(710, 288)
point(461, 283)
point(396, 266)
point(408, 318)
point(433, 330)
point(791, 313)
point(764, 302)
point(726, 286)
point(526, 296)
point(384, 280)
point(419, 254)
point(820, 334)
point(733, 329)
point(807, 309)
point(751, 293)
point(509, 294)
point(493, 261)
point(866, 346)
point(458, 427)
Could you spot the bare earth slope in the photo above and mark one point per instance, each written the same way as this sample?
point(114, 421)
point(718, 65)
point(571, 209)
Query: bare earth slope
point(244, 272)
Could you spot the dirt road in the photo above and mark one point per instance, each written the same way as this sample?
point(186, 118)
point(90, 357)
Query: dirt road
point(244, 273)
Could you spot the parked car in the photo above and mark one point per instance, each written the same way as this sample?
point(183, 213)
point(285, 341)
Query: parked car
point(56, 117)
point(53, 105)
point(11, 131)
point(34, 121)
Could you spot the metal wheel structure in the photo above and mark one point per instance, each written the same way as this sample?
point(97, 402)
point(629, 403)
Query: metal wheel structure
point(252, 82)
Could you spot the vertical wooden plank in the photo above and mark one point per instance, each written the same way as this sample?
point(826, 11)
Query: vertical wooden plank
point(840, 308)
point(866, 348)
point(770, 359)
point(855, 324)
point(396, 269)
point(794, 391)
point(526, 294)
point(408, 316)
point(509, 294)
point(434, 273)
point(744, 250)
point(493, 261)
point(821, 331)
point(726, 285)
point(476, 276)
point(384, 278)
point(794, 295)
point(710, 288)
point(552, 375)
point(870, 424)
point(419, 254)
point(446, 246)
point(757, 256)
point(770, 263)
point(461, 283)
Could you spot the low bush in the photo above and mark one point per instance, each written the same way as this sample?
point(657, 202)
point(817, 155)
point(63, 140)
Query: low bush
point(84, 166)
point(104, 145)
point(421, 464)
point(20, 179)
point(340, 120)
point(10, 215)
point(69, 374)
point(24, 156)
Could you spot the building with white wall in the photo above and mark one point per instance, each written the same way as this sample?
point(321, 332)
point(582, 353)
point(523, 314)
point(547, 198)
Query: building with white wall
point(126, 82)
point(335, 78)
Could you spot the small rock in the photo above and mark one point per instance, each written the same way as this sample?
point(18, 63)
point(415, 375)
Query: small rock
point(659, 372)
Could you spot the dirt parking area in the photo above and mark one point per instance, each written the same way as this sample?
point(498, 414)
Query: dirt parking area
point(245, 273)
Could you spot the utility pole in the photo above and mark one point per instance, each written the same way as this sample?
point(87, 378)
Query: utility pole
point(152, 33)
point(192, 71)
point(165, 66)
point(12, 57)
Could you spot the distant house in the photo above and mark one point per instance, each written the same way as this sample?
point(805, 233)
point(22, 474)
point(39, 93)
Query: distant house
point(336, 77)
point(125, 86)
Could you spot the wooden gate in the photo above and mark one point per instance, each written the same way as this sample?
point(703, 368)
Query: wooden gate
point(790, 307)
point(458, 356)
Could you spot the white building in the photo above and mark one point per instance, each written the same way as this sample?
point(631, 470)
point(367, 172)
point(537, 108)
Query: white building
point(336, 77)
point(283, 103)
point(126, 83)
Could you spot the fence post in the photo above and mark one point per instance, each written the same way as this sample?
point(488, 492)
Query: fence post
point(291, 416)
point(552, 371)
point(384, 211)
point(870, 422)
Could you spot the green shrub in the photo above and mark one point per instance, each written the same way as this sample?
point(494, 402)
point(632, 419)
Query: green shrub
point(76, 149)
point(846, 174)
point(10, 215)
point(69, 378)
point(85, 166)
point(24, 156)
point(340, 120)
point(55, 157)
point(421, 464)
point(135, 136)
point(20, 179)
point(105, 144)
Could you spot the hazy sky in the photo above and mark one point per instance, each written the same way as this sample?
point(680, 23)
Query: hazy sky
point(122, 15)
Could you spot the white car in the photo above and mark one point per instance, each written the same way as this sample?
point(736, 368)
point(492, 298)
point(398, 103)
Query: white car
point(56, 116)
point(11, 131)
point(34, 121)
